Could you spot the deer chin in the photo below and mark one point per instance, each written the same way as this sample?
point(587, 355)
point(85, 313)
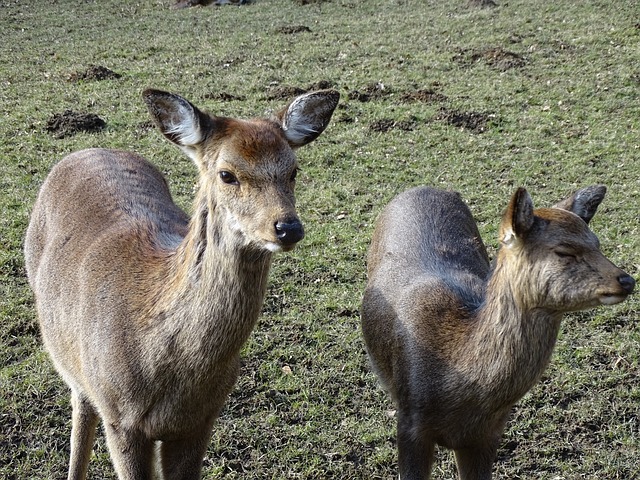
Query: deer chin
point(275, 247)
point(611, 299)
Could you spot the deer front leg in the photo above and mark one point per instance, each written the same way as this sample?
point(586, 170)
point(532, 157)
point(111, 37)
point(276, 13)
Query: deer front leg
point(131, 452)
point(83, 432)
point(182, 459)
point(415, 451)
point(476, 463)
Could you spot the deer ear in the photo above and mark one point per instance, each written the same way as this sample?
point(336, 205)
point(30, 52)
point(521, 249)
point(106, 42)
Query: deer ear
point(178, 120)
point(517, 219)
point(584, 202)
point(306, 117)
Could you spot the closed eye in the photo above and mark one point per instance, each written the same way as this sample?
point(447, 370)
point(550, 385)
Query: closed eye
point(565, 254)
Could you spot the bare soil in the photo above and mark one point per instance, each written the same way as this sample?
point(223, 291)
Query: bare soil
point(292, 29)
point(94, 73)
point(287, 92)
point(495, 57)
point(475, 122)
point(386, 124)
point(69, 123)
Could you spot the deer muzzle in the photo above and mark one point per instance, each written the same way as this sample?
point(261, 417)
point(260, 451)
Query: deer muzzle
point(626, 283)
point(289, 233)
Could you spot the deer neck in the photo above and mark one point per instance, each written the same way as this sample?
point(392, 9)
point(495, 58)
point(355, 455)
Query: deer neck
point(513, 338)
point(214, 286)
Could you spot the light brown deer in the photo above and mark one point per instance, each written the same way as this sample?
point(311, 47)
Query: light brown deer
point(457, 343)
point(144, 310)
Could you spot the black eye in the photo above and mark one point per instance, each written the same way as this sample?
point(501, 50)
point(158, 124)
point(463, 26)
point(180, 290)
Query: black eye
point(294, 174)
point(228, 178)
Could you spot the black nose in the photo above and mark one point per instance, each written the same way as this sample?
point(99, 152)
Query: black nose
point(289, 232)
point(627, 282)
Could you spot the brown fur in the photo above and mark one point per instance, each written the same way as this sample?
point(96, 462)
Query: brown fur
point(456, 343)
point(143, 309)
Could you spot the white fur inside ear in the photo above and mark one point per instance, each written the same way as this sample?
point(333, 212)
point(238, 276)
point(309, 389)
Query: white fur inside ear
point(297, 125)
point(299, 133)
point(509, 238)
point(300, 124)
point(185, 126)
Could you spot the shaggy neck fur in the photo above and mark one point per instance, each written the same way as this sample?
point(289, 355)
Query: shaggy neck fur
point(513, 339)
point(217, 288)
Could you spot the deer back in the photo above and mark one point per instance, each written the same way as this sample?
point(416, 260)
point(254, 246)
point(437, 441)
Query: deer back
point(428, 233)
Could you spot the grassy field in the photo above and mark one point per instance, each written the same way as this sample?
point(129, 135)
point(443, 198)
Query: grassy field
point(541, 94)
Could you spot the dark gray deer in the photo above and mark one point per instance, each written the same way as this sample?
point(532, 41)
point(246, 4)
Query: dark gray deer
point(455, 343)
point(143, 309)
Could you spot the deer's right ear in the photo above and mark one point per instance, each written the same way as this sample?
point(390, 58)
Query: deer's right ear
point(517, 219)
point(307, 116)
point(584, 202)
point(178, 120)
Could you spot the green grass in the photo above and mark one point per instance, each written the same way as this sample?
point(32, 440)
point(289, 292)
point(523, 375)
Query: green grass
point(556, 85)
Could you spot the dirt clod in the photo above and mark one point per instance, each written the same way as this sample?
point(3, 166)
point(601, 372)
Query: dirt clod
point(223, 97)
point(69, 123)
point(285, 92)
point(495, 57)
point(373, 91)
point(475, 122)
point(386, 124)
point(482, 3)
point(424, 96)
point(94, 73)
point(291, 29)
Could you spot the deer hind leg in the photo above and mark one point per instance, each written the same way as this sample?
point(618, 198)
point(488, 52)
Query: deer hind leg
point(415, 450)
point(476, 463)
point(131, 452)
point(83, 432)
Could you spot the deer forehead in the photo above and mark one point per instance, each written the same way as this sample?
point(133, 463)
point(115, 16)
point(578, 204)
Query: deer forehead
point(564, 227)
point(251, 145)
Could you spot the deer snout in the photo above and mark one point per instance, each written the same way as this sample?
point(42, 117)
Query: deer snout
point(627, 282)
point(290, 232)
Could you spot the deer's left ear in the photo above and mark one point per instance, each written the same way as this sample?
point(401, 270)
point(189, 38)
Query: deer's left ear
point(306, 117)
point(584, 202)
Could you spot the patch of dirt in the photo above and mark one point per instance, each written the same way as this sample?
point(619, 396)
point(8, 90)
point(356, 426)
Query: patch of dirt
point(203, 3)
point(291, 29)
point(482, 3)
point(94, 73)
point(386, 124)
point(475, 122)
point(499, 58)
point(495, 57)
point(69, 123)
point(223, 97)
point(424, 96)
point(286, 92)
point(373, 91)
point(310, 2)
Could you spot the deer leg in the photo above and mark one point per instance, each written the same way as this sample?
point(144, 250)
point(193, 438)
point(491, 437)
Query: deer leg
point(83, 432)
point(131, 452)
point(182, 459)
point(476, 463)
point(415, 450)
